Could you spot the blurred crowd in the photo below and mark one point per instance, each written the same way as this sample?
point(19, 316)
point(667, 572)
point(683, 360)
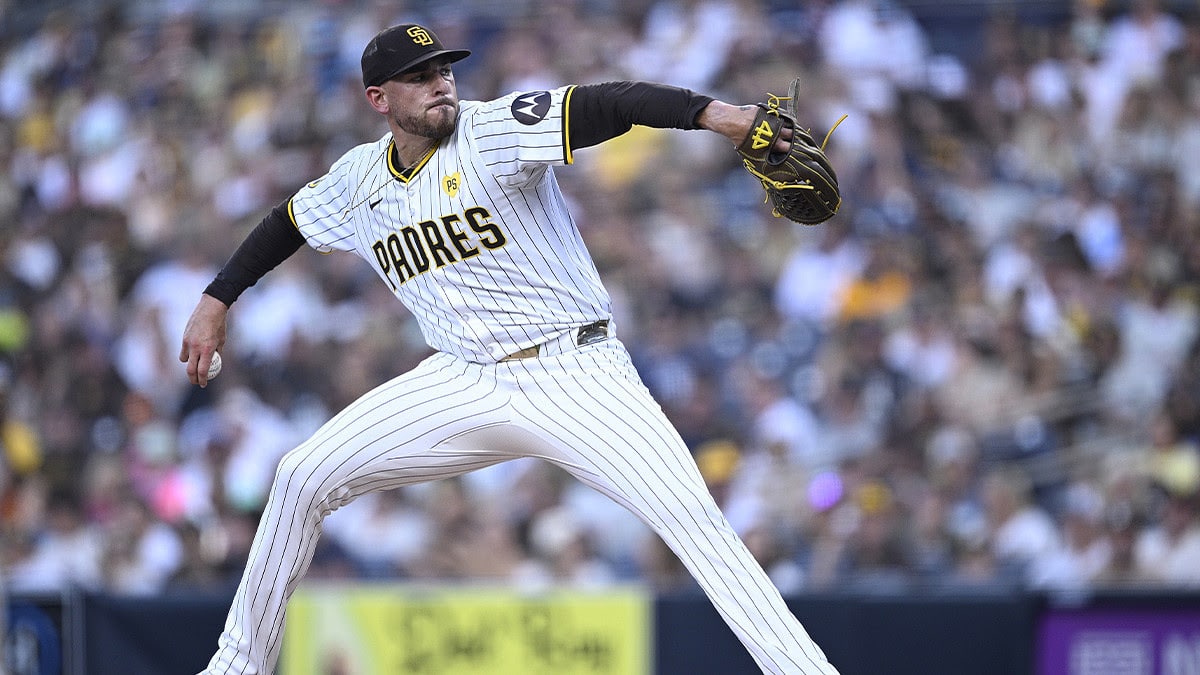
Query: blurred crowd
point(983, 373)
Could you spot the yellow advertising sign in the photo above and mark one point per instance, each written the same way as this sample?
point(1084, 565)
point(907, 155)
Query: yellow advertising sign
point(393, 629)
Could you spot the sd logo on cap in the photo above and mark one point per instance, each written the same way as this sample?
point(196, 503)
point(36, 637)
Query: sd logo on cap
point(400, 48)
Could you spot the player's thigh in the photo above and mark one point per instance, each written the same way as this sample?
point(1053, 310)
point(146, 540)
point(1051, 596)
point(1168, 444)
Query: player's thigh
point(399, 433)
point(600, 423)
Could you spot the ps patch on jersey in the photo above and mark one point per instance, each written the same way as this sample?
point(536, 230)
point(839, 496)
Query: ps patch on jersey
point(531, 107)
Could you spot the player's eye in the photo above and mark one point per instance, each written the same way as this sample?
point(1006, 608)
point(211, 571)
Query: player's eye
point(424, 76)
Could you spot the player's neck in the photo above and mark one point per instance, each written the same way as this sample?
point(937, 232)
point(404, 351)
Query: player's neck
point(410, 149)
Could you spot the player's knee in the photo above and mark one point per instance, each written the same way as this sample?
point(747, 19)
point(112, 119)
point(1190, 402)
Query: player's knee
point(289, 465)
point(308, 484)
point(298, 473)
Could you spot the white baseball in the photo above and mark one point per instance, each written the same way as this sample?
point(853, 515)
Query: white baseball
point(214, 368)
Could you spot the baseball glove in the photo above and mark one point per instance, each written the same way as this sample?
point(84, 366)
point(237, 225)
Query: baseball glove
point(800, 183)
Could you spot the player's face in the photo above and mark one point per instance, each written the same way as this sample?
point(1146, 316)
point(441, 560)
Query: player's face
point(424, 102)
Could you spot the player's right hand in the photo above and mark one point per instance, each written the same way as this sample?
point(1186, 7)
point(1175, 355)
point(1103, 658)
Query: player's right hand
point(203, 335)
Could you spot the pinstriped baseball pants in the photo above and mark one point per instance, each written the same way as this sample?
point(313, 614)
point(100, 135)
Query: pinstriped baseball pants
point(585, 410)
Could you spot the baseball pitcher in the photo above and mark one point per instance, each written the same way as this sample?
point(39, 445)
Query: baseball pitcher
point(457, 210)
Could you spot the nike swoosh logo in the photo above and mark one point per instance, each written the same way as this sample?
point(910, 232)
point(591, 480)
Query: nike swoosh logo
point(375, 203)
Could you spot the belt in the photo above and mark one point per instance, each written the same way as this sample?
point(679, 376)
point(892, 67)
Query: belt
point(595, 331)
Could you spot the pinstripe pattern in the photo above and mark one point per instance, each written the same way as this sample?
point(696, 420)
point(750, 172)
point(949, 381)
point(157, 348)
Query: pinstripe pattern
point(589, 413)
point(540, 283)
point(477, 242)
point(607, 430)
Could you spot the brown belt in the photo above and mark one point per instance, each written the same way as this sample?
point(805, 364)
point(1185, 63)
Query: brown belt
point(584, 335)
point(527, 353)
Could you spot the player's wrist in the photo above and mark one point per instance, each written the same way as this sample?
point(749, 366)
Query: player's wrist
point(213, 303)
point(731, 121)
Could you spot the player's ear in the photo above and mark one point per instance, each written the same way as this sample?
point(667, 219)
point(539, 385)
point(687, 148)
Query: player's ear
point(378, 100)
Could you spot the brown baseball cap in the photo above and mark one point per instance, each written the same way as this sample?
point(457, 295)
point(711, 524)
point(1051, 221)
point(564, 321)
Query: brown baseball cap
point(399, 48)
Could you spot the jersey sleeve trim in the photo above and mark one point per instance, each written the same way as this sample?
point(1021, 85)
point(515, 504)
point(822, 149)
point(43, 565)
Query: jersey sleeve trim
point(568, 154)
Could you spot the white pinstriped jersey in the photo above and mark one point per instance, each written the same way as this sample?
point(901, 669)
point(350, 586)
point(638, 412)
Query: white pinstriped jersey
point(476, 239)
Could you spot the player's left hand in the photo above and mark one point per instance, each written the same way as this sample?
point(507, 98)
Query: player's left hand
point(795, 173)
point(784, 142)
point(204, 334)
point(735, 123)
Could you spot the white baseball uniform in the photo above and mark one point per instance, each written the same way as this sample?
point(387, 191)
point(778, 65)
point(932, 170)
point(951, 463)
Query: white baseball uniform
point(477, 242)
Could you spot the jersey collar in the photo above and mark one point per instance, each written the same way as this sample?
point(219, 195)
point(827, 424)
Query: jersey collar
point(407, 174)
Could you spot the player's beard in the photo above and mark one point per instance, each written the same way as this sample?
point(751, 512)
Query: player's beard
point(437, 122)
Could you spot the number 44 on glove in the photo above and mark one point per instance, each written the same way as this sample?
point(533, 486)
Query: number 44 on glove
point(800, 183)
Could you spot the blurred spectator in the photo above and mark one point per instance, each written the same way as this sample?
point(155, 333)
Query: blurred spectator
point(981, 394)
point(1121, 531)
point(146, 354)
point(882, 289)
point(813, 281)
point(921, 346)
point(384, 531)
point(771, 549)
point(877, 47)
point(22, 452)
point(64, 556)
point(876, 554)
point(781, 426)
point(1021, 532)
point(563, 554)
point(140, 554)
point(1137, 43)
point(687, 42)
point(1085, 552)
point(1171, 460)
point(1157, 329)
point(1170, 551)
point(983, 371)
point(257, 435)
point(930, 546)
point(453, 524)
